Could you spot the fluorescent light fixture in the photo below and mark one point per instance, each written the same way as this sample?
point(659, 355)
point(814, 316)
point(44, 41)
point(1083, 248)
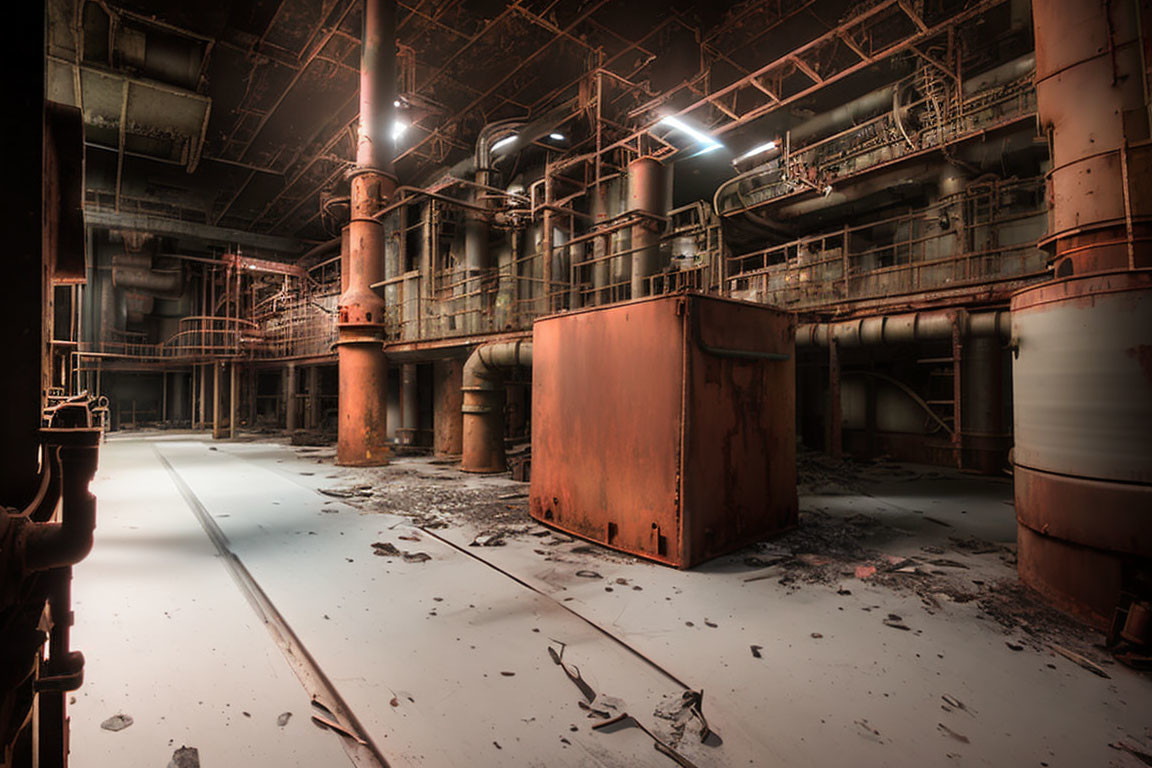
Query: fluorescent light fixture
point(398, 129)
point(556, 136)
point(679, 125)
point(757, 150)
point(504, 142)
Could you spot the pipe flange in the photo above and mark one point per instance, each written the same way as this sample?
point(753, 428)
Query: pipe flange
point(362, 170)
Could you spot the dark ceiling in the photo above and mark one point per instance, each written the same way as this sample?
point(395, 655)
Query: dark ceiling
point(242, 114)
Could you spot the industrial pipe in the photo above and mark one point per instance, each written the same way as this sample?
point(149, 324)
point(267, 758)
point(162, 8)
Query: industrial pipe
point(362, 425)
point(483, 409)
point(903, 329)
point(73, 453)
point(646, 193)
point(1090, 97)
point(168, 283)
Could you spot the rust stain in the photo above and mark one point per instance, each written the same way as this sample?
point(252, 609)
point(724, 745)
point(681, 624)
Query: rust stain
point(1142, 354)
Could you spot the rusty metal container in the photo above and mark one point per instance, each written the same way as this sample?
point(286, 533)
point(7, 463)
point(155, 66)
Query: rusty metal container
point(1082, 377)
point(665, 427)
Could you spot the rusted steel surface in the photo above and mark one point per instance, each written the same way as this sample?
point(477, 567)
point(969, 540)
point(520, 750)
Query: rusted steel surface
point(1082, 581)
point(362, 438)
point(1083, 417)
point(1090, 95)
point(363, 411)
point(665, 427)
point(483, 408)
point(448, 399)
point(1094, 513)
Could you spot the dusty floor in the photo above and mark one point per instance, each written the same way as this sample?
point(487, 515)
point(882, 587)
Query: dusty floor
point(887, 630)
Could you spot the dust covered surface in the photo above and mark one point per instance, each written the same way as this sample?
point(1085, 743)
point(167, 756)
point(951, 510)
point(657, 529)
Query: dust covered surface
point(831, 547)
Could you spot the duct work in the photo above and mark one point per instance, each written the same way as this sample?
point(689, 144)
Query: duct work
point(483, 405)
point(1083, 389)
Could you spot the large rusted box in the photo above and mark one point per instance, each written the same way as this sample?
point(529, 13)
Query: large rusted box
point(665, 427)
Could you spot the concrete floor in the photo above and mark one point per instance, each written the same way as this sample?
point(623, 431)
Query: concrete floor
point(445, 661)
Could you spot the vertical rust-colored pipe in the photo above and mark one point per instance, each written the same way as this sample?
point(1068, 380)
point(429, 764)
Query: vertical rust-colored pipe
point(1090, 96)
point(362, 427)
point(447, 420)
point(646, 194)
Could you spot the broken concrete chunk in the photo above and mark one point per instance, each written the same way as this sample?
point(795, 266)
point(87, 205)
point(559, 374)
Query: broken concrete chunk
point(117, 722)
point(416, 557)
point(185, 757)
point(385, 549)
point(488, 539)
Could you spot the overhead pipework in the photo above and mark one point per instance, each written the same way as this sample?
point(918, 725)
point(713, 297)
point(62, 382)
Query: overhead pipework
point(363, 370)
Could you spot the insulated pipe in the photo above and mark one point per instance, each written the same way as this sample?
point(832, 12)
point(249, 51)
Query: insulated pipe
point(646, 193)
point(903, 329)
point(161, 283)
point(842, 117)
point(362, 425)
point(483, 409)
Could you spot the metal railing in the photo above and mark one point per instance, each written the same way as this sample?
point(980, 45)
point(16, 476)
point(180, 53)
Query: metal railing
point(985, 235)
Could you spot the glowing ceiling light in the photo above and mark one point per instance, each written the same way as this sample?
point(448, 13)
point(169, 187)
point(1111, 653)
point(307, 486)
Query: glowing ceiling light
point(767, 146)
point(679, 125)
point(504, 142)
point(556, 136)
point(398, 129)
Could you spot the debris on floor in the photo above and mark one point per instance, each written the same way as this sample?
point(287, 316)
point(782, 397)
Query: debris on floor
point(283, 718)
point(185, 757)
point(117, 722)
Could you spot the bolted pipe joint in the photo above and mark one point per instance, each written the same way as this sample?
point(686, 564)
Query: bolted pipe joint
point(483, 409)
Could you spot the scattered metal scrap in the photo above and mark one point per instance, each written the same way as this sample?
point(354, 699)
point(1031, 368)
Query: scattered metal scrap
point(1083, 661)
point(612, 712)
point(388, 549)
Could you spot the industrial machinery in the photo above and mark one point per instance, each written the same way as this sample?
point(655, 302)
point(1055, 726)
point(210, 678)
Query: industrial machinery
point(665, 427)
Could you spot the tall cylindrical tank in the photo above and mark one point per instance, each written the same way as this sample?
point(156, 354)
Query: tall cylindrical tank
point(646, 194)
point(1083, 425)
point(1082, 373)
